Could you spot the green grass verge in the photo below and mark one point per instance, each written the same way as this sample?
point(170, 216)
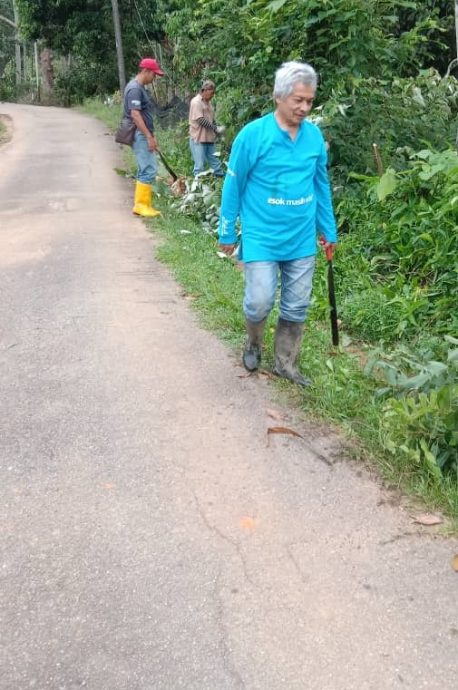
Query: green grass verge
point(110, 115)
point(341, 393)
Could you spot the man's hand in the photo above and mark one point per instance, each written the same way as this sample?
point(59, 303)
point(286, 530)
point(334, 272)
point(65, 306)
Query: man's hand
point(329, 247)
point(220, 130)
point(227, 249)
point(152, 143)
point(140, 125)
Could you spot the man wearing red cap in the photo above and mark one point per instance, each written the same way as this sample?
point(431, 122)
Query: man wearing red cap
point(138, 107)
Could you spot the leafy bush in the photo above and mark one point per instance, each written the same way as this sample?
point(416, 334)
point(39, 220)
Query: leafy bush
point(201, 201)
point(371, 314)
point(420, 421)
point(400, 236)
point(83, 80)
point(399, 115)
point(8, 87)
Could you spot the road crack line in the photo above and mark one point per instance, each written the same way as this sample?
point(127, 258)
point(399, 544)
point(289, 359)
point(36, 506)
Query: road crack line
point(214, 530)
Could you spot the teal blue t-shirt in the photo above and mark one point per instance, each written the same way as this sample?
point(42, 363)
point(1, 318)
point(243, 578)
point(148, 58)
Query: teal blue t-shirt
point(279, 188)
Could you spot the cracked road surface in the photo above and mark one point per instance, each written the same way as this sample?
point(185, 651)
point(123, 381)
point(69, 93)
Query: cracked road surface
point(151, 538)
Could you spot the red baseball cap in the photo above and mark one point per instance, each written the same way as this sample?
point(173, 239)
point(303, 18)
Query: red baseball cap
point(152, 65)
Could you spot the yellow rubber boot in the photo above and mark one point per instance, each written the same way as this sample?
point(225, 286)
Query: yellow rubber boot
point(143, 201)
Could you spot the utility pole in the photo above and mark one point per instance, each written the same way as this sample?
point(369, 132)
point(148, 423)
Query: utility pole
point(456, 27)
point(17, 46)
point(119, 50)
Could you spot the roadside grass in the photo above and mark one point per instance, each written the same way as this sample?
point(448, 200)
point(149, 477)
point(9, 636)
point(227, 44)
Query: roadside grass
point(341, 393)
point(109, 114)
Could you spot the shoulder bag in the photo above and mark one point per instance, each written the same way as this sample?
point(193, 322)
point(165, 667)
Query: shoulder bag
point(125, 132)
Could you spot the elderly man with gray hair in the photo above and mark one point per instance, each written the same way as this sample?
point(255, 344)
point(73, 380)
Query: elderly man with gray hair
point(203, 131)
point(277, 185)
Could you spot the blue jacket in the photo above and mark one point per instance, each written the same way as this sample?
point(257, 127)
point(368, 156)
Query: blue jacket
point(279, 189)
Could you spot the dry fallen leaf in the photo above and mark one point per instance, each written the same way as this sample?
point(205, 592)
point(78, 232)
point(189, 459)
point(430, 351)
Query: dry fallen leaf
point(283, 430)
point(455, 563)
point(263, 373)
point(275, 414)
point(428, 519)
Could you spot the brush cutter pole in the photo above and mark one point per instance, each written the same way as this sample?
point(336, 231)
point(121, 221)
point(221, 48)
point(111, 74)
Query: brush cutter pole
point(331, 295)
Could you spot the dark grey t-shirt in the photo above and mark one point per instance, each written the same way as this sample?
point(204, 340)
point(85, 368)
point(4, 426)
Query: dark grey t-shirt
point(136, 97)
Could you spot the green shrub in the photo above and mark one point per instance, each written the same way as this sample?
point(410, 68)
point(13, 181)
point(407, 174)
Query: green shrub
point(201, 201)
point(399, 115)
point(400, 237)
point(419, 425)
point(371, 315)
point(83, 80)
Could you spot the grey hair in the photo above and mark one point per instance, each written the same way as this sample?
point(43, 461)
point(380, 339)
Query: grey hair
point(207, 84)
point(289, 74)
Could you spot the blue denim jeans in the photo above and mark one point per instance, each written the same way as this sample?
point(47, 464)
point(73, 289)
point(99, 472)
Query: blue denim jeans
point(146, 159)
point(261, 280)
point(202, 153)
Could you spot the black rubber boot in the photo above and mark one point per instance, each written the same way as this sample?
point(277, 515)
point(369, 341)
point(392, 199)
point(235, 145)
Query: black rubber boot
point(288, 339)
point(253, 346)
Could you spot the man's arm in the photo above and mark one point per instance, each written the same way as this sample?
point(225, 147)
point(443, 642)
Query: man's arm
point(233, 188)
point(203, 122)
point(325, 219)
point(140, 125)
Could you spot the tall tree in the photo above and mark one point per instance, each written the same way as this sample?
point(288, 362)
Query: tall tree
point(84, 29)
point(7, 33)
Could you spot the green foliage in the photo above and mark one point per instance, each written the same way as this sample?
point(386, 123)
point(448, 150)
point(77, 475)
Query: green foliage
point(404, 248)
point(371, 58)
point(342, 37)
point(83, 79)
point(434, 20)
point(371, 314)
point(240, 44)
point(420, 422)
point(67, 24)
point(8, 88)
point(83, 29)
point(400, 115)
point(6, 36)
point(109, 110)
point(201, 201)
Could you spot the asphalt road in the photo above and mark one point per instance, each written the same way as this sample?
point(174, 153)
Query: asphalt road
point(151, 538)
